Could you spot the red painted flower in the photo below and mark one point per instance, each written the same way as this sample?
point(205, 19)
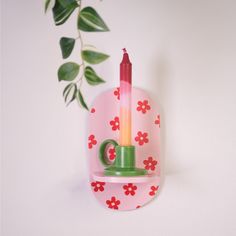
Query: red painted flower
point(141, 138)
point(115, 124)
point(130, 189)
point(158, 121)
point(98, 186)
point(143, 106)
point(92, 141)
point(92, 110)
point(112, 154)
point(113, 203)
point(150, 163)
point(153, 190)
point(117, 93)
point(138, 206)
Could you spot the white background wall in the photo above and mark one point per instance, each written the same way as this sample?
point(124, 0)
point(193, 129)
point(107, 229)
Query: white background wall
point(184, 54)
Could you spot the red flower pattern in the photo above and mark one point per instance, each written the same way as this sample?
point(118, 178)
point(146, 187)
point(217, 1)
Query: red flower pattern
point(130, 189)
point(158, 121)
point(92, 141)
point(150, 163)
point(141, 138)
point(143, 106)
point(117, 93)
point(112, 154)
point(153, 190)
point(92, 110)
point(98, 186)
point(113, 203)
point(115, 124)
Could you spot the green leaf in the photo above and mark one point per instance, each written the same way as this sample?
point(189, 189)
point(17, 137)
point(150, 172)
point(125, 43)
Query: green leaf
point(70, 92)
point(91, 76)
point(68, 71)
point(65, 3)
point(62, 12)
point(46, 5)
point(90, 21)
point(66, 88)
point(93, 57)
point(67, 45)
point(80, 99)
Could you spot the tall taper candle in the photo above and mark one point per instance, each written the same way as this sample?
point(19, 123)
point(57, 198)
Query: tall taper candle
point(125, 100)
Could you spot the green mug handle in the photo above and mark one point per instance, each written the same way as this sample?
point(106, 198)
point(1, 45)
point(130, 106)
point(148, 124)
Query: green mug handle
point(102, 154)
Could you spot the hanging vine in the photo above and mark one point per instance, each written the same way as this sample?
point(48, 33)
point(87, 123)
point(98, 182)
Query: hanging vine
point(73, 73)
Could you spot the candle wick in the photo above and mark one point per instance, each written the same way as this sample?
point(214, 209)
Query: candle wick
point(124, 50)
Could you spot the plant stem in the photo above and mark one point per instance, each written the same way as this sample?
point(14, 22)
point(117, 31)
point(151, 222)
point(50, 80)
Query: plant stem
point(80, 80)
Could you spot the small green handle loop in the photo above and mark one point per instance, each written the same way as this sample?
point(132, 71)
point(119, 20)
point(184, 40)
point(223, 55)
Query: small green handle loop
point(102, 154)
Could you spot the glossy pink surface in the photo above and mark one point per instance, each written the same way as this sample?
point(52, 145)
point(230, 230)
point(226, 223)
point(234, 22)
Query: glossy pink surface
point(103, 123)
